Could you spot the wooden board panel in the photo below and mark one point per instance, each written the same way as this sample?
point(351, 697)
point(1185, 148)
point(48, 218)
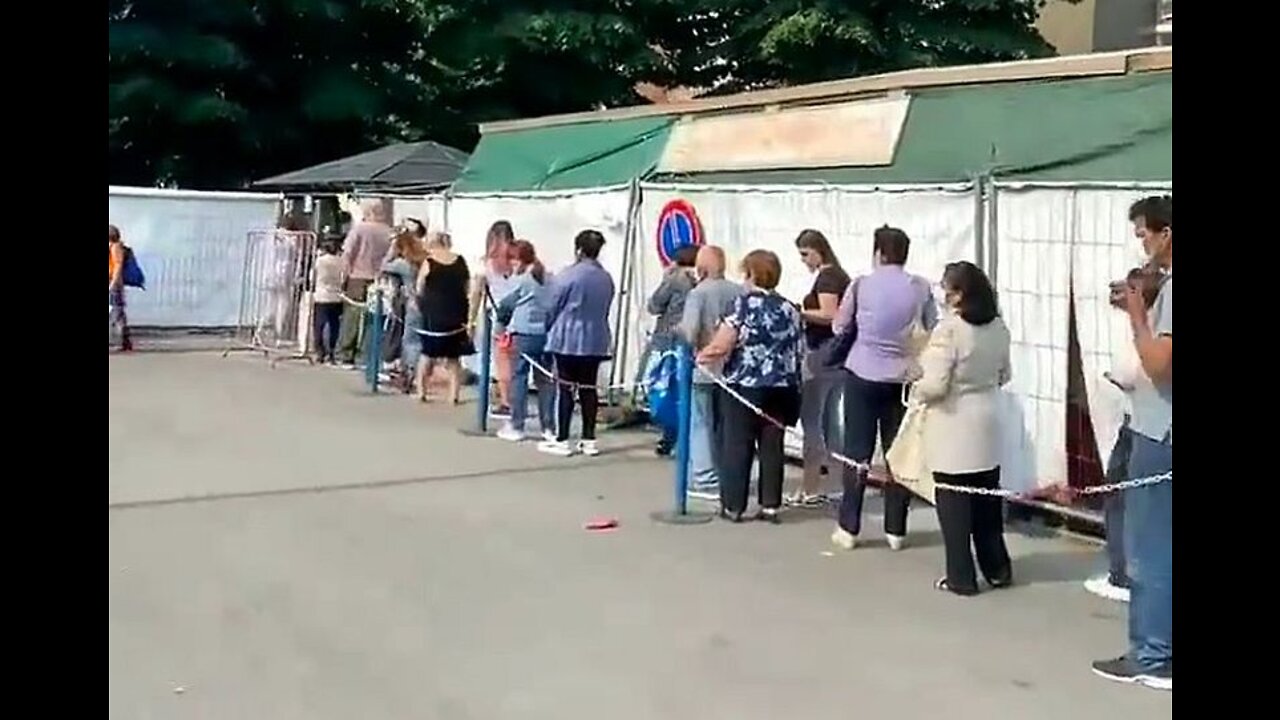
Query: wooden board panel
point(854, 134)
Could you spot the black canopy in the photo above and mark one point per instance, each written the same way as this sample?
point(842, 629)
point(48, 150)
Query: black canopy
point(407, 167)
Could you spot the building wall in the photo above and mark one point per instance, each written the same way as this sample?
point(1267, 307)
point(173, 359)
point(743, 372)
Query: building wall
point(1124, 24)
point(1099, 25)
point(1068, 26)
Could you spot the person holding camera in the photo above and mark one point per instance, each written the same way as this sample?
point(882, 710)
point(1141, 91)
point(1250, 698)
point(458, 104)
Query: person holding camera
point(1148, 508)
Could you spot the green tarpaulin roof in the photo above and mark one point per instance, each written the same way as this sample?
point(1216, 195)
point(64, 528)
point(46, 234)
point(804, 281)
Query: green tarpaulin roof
point(592, 154)
point(1109, 129)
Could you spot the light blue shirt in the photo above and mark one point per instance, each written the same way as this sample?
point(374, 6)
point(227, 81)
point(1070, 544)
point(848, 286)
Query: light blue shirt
point(526, 302)
point(581, 296)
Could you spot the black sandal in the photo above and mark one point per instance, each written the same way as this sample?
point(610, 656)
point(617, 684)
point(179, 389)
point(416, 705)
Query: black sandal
point(733, 517)
point(769, 515)
point(945, 586)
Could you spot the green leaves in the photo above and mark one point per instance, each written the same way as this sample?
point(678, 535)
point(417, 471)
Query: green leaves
point(215, 93)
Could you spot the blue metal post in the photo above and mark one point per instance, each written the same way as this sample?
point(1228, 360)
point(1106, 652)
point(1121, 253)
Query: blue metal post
point(486, 357)
point(373, 359)
point(684, 409)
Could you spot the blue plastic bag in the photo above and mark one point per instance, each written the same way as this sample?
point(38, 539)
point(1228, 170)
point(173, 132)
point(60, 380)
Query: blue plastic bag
point(131, 274)
point(663, 390)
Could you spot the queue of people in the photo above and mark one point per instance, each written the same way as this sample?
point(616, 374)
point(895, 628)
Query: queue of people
point(870, 346)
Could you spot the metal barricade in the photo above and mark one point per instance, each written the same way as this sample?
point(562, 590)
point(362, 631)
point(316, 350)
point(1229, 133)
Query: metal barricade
point(275, 295)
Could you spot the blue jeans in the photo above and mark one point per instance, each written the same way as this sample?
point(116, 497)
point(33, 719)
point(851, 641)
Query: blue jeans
point(1148, 544)
point(411, 343)
point(1113, 507)
point(704, 434)
point(531, 346)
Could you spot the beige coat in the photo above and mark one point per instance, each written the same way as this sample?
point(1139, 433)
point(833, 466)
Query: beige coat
point(963, 368)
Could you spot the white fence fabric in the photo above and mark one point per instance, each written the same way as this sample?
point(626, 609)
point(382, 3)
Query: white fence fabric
point(191, 246)
point(1033, 279)
point(430, 209)
point(940, 221)
point(1104, 249)
point(550, 220)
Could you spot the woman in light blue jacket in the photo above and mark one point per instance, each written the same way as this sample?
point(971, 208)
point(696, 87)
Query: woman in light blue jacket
point(524, 312)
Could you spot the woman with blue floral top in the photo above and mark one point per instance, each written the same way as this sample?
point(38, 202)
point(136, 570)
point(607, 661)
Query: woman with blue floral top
point(761, 338)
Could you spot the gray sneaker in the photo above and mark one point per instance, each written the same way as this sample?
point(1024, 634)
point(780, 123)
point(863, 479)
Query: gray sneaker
point(1124, 670)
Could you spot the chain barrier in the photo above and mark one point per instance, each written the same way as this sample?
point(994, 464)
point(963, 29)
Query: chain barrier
point(845, 460)
point(989, 492)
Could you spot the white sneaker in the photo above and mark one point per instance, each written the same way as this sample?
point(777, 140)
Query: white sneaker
point(895, 541)
point(1102, 587)
point(549, 435)
point(555, 447)
point(510, 434)
point(843, 539)
point(588, 448)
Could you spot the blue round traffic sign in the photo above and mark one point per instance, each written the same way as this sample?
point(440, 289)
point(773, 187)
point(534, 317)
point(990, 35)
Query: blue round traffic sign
point(678, 226)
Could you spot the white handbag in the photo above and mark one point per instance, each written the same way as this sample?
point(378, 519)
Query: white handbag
point(906, 456)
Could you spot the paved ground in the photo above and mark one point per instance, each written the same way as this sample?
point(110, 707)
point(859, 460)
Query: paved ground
point(282, 546)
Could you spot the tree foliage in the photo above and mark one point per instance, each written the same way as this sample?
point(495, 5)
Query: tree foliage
point(213, 93)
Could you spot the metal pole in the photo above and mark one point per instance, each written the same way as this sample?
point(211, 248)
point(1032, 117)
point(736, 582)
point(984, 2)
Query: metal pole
point(684, 410)
point(486, 357)
point(680, 514)
point(373, 358)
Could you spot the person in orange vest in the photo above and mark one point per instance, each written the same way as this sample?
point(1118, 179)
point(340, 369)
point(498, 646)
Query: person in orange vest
point(115, 287)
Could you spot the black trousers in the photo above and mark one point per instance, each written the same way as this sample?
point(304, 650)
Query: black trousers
point(973, 519)
point(871, 409)
point(746, 436)
point(584, 372)
point(326, 316)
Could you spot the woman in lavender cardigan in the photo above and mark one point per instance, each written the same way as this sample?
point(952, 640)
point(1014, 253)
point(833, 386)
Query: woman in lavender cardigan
point(579, 339)
point(885, 305)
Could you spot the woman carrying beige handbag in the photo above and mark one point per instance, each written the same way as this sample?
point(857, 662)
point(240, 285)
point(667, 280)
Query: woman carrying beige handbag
point(962, 370)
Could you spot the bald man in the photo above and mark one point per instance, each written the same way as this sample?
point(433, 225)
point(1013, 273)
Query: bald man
point(706, 305)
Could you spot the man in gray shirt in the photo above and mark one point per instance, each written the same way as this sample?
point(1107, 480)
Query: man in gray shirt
point(1148, 509)
point(706, 305)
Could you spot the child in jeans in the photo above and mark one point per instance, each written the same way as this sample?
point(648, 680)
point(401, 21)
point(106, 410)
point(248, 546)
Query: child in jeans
point(327, 300)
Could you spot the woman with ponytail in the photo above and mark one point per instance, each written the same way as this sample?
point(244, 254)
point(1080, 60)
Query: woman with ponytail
point(491, 287)
point(523, 311)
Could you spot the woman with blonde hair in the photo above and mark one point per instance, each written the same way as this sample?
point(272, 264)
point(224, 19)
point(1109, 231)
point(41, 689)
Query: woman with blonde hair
point(442, 300)
point(403, 262)
point(488, 289)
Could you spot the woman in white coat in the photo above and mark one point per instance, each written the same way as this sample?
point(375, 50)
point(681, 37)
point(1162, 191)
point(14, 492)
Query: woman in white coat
point(963, 368)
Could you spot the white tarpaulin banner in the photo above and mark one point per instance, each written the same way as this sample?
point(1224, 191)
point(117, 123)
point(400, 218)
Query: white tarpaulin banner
point(191, 246)
point(550, 220)
point(939, 220)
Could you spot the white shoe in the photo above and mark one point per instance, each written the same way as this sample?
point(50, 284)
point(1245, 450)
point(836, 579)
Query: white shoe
point(588, 448)
point(895, 541)
point(1102, 587)
point(555, 447)
point(510, 434)
point(549, 435)
point(843, 539)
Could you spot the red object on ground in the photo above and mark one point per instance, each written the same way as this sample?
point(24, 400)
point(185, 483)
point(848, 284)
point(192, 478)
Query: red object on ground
point(602, 524)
